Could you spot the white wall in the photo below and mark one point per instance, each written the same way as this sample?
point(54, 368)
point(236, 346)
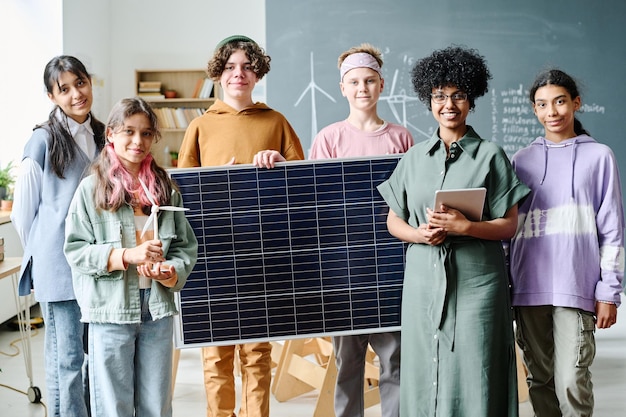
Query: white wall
point(87, 27)
point(30, 34)
point(112, 38)
point(152, 34)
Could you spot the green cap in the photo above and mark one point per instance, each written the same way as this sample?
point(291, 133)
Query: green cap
point(233, 38)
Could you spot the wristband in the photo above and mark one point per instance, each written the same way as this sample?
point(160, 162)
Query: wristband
point(123, 261)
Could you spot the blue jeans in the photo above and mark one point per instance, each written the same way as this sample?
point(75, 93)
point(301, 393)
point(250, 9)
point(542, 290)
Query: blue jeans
point(65, 359)
point(130, 366)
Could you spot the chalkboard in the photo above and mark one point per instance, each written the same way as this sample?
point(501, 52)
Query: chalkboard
point(518, 39)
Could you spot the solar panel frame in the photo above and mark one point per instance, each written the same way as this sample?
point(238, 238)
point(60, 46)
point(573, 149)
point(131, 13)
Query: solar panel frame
point(300, 250)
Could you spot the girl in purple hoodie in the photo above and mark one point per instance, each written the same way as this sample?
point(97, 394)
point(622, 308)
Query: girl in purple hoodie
point(567, 256)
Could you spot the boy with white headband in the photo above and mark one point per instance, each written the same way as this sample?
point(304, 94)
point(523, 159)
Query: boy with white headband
point(363, 133)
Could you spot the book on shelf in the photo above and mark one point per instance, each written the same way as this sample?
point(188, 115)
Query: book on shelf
point(181, 119)
point(158, 111)
point(171, 117)
point(149, 86)
point(166, 116)
point(206, 89)
point(193, 112)
point(196, 89)
point(151, 96)
point(177, 117)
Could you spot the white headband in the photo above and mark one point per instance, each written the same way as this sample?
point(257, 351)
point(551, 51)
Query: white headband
point(359, 60)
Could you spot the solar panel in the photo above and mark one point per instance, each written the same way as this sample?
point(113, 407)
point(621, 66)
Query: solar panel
point(300, 250)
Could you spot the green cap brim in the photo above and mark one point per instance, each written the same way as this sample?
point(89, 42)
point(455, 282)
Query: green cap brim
point(233, 38)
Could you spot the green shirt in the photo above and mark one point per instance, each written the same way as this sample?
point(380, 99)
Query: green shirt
point(458, 351)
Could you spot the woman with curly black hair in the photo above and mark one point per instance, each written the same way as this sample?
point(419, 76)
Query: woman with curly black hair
point(458, 351)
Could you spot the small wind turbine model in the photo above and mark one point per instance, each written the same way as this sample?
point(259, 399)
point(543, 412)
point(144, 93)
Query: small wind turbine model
point(154, 212)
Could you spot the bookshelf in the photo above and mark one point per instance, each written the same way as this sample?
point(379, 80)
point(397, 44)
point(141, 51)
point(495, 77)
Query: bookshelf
point(193, 96)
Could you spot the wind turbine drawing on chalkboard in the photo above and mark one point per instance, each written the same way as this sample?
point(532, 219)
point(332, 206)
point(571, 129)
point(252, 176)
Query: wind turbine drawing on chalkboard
point(400, 98)
point(312, 87)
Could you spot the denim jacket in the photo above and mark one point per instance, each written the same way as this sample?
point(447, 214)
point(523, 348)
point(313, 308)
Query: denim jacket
point(91, 235)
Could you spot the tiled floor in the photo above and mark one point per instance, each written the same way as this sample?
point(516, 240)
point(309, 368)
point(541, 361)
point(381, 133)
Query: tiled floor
point(609, 372)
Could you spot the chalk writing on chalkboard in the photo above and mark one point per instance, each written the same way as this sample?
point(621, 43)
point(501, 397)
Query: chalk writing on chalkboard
point(514, 124)
point(518, 39)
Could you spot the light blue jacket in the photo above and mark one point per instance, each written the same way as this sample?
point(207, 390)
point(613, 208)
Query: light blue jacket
point(43, 265)
point(91, 235)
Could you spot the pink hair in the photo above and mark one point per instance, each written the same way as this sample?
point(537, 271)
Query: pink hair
point(123, 181)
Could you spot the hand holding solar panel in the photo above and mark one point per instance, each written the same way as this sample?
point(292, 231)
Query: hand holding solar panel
point(267, 159)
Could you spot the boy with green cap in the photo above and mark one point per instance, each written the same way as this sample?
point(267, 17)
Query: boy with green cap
point(235, 130)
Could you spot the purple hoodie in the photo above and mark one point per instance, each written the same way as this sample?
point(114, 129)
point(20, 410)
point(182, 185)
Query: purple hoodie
point(568, 250)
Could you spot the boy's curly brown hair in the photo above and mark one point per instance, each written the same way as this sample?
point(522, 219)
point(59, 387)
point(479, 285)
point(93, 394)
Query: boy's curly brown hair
point(259, 60)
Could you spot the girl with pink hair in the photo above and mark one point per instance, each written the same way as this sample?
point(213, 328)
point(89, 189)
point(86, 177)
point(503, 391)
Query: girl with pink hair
point(125, 280)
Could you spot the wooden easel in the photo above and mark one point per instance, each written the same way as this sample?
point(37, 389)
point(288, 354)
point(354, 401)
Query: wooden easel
point(522, 387)
point(297, 375)
point(309, 364)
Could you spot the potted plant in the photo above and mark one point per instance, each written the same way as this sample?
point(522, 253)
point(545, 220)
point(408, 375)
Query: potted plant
point(6, 204)
point(174, 157)
point(6, 180)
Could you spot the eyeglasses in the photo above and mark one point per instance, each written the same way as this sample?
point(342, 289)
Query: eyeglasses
point(441, 98)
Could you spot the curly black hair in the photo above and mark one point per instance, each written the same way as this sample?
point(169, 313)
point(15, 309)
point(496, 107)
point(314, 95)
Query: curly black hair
point(457, 66)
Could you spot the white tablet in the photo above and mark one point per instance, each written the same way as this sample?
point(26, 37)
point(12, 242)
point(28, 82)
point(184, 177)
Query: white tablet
point(469, 201)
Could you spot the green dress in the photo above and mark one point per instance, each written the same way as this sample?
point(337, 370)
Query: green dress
point(458, 351)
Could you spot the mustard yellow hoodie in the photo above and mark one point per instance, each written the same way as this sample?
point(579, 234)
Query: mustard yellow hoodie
point(223, 133)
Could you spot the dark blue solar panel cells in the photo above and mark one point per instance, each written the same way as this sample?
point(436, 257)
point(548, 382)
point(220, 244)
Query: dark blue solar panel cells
point(301, 250)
